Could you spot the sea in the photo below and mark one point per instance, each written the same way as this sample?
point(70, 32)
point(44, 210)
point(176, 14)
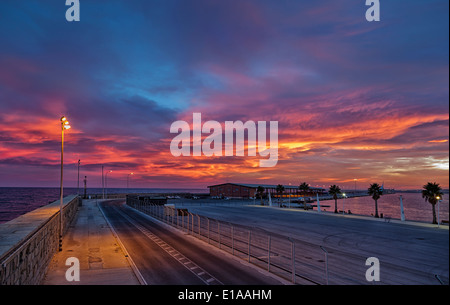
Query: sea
point(414, 206)
point(15, 201)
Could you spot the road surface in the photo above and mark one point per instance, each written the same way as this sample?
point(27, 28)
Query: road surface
point(415, 254)
point(165, 256)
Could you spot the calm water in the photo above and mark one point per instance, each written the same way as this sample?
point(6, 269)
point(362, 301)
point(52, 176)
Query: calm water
point(414, 206)
point(15, 201)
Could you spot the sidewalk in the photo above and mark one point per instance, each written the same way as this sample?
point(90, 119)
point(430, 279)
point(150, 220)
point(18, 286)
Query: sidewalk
point(91, 241)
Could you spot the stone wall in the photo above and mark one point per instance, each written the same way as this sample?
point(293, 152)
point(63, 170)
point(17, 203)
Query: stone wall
point(28, 243)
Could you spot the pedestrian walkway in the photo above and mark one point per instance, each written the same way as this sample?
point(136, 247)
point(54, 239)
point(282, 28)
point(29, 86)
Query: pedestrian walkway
point(92, 242)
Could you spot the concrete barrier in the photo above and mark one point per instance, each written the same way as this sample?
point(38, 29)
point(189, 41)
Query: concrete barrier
point(28, 243)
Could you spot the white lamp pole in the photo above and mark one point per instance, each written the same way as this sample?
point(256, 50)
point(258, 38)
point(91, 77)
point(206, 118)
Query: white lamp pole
point(343, 203)
point(439, 200)
point(78, 181)
point(103, 185)
point(402, 211)
point(106, 184)
point(318, 202)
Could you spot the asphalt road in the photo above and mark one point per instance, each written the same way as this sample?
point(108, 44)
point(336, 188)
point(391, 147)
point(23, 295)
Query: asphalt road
point(413, 254)
point(165, 256)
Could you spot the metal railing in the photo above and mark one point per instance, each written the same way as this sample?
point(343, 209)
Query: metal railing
point(275, 253)
point(297, 261)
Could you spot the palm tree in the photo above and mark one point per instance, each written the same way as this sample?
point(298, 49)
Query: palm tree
point(375, 191)
point(260, 191)
point(304, 188)
point(335, 191)
point(432, 193)
point(280, 190)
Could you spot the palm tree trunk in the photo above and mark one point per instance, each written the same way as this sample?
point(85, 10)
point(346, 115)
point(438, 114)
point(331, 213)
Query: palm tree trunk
point(335, 205)
point(434, 214)
point(376, 209)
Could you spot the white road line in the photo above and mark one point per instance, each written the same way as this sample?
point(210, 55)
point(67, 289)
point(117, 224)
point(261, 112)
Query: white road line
point(176, 254)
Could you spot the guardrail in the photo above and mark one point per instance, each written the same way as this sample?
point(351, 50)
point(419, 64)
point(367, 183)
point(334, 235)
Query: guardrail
point(295, 260)
point(275, 253)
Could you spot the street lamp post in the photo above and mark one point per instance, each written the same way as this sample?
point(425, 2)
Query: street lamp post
point(103, 185)
point(128, 176)
point(439, 200)
point(85, 182)
point(343, 203)
point(78, 181)
point(106, 183)
point(64, 125)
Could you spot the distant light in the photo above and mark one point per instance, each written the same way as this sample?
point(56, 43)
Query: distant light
point(66, 126)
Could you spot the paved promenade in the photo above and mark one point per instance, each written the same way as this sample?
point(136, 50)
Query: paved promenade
point(91, 240)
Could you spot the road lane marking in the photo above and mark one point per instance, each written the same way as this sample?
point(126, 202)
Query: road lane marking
point(203, 275)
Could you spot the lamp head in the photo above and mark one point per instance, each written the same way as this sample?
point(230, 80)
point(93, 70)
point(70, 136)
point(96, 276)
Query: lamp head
point(64, 123)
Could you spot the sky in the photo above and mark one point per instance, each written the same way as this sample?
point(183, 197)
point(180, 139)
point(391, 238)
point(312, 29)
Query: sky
point(356, 102)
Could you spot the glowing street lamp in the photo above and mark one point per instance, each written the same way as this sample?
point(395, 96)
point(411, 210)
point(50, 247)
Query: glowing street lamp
point(64, 125)
point(344, 195)
point(128, 176)
point(439, 200)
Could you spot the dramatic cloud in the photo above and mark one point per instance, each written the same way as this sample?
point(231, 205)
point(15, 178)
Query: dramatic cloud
point(354, 99)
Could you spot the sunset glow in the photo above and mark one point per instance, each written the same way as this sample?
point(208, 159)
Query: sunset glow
point(354, 100)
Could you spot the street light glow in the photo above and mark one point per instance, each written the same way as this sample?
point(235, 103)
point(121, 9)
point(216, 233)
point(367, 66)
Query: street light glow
point(64, 123)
